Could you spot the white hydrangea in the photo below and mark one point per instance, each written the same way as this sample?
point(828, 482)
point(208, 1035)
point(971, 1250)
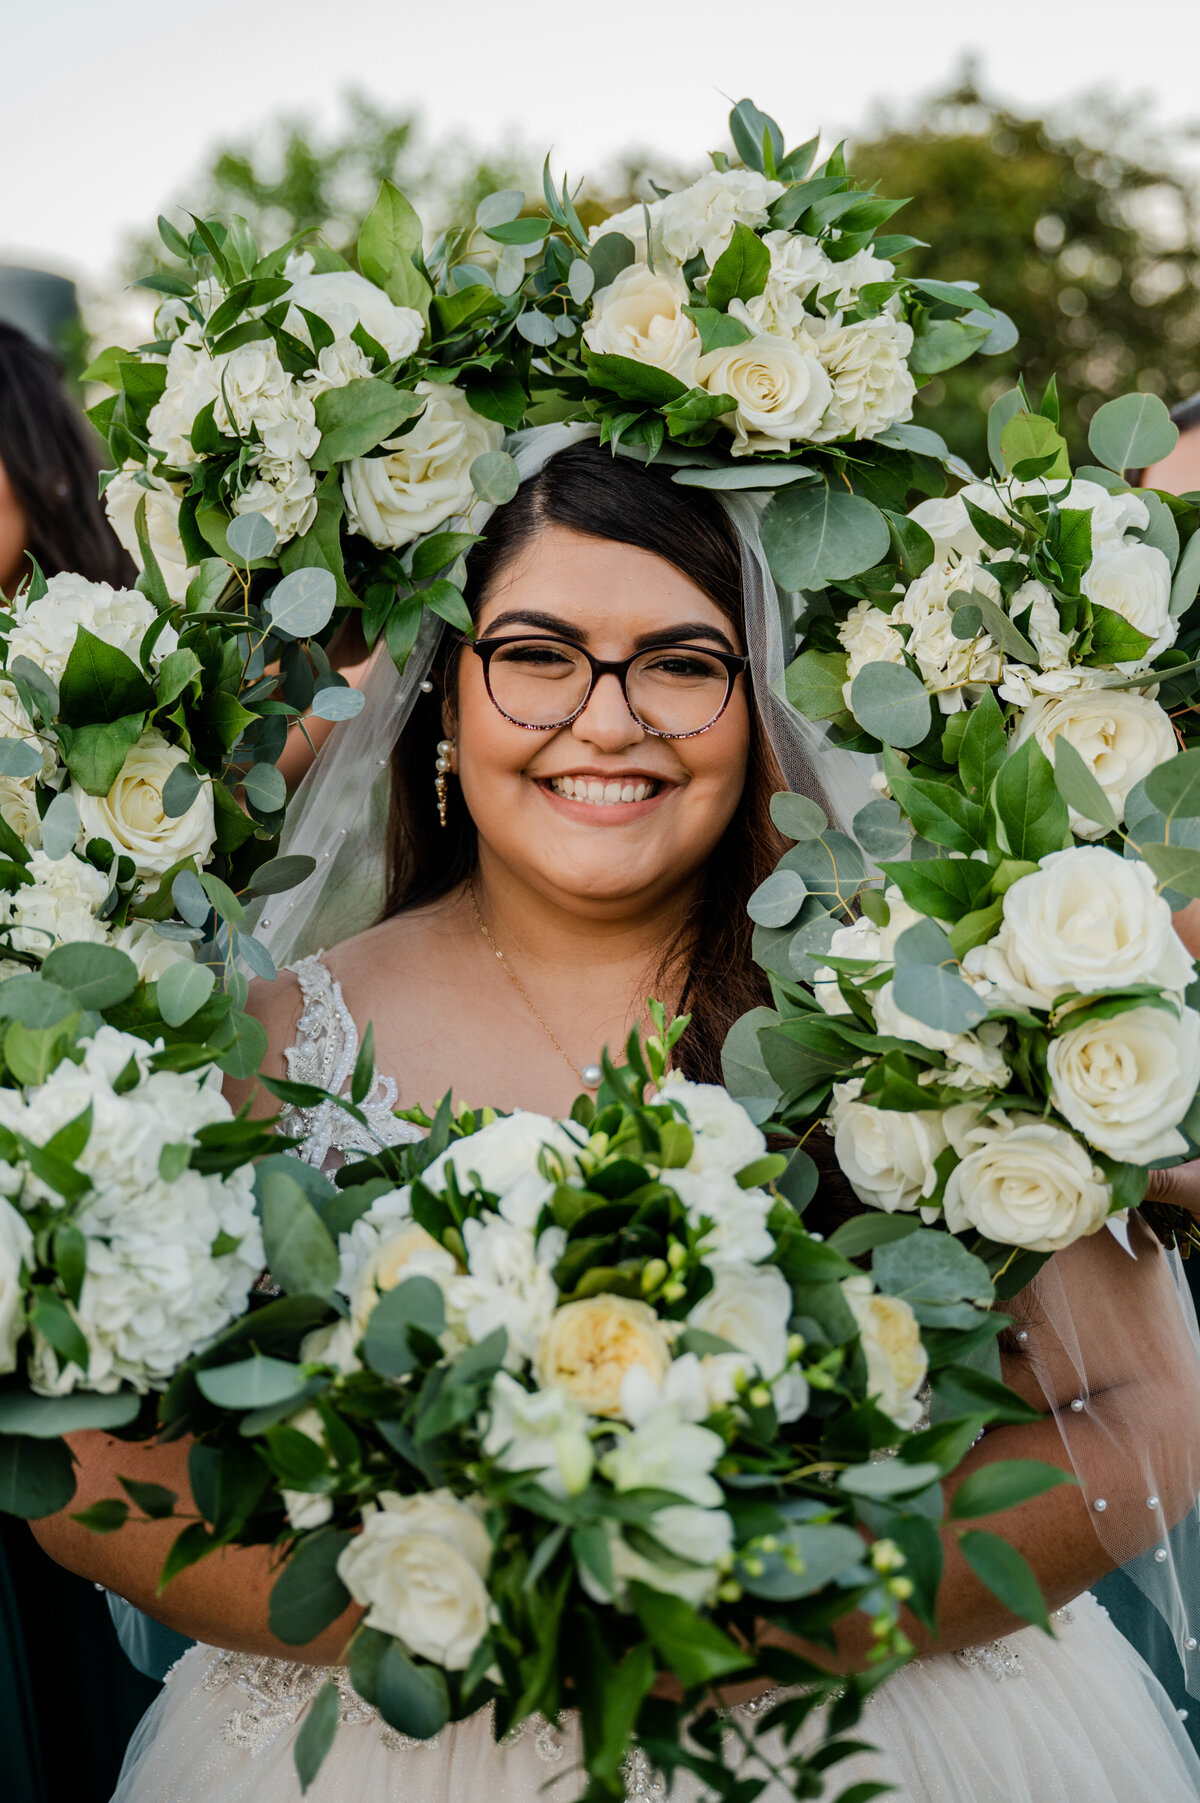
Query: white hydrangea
point(699, 220)
point(344, 300)
point(45, 630)
point(866, 362)
point(868, 637)
point(951, 667)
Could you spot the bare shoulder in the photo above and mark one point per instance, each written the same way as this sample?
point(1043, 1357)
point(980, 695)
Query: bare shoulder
point(391, 961)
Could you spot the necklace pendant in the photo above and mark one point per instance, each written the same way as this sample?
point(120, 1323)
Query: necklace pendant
point(591, 1076)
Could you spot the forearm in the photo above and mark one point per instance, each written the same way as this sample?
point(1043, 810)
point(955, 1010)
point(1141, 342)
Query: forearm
point(222, 1601)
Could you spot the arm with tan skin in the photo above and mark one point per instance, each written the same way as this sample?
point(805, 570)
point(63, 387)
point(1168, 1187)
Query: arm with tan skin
point(1181, 1185)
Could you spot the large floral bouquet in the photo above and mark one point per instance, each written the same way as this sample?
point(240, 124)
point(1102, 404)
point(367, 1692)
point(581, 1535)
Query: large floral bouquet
point(565, 1403)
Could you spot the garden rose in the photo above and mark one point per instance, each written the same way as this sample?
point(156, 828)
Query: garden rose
point(426, 475)
point(590, 1346)
point(891, 1341)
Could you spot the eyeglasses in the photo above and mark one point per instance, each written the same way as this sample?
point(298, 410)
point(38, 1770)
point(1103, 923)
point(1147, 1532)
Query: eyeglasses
point(673, 691)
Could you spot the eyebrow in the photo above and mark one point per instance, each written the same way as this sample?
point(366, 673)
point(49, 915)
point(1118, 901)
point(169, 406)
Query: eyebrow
point(645, 641)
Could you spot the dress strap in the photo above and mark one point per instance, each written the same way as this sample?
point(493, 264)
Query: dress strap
point(324, 1053)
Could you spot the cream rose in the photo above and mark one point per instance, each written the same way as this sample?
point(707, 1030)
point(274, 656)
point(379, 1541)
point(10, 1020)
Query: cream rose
point(162, 498)
point(590, 1345)
point(1126, 1083)
point(640, 315)
point(344, 300)
point(1085, 922)
point(1120, 735)
point(781, 392)
point(426, 475)
point(418, 1568)
point(751, 1306)
point(866, 362)
point(891, 1341)
point(131, 815)
point(18, 808)
point(1134, 580)
point(1024, 1182)
point(409, 1252)
point(887, 1157)
point(699, 219)
point(16, 1255)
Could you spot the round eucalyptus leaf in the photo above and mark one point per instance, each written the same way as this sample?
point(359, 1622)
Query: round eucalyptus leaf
point(60, 826)
point(45, 1417)
point(336, 703)
point(777, 901)
point(34, 1002)
point(796, 816)
point(265, 788)
point(494, 477)
point(891, 703)
point(880, 830)
point(37, 1477)
point(303, 602)
point(183, 989)
point(966, 622)
point(1002, 334)
point(252, 1383)
point(499, 208)
point(1131, 432)
point(250, 536)
point(815, 534)
point(189, 898)
point(98, 976)
point(581, 279)
point(535, 327)
point(19, 758)
point(1174, 787)
point(889, 1477)
point(510, 269)
point(937, 997)
point(180, 791)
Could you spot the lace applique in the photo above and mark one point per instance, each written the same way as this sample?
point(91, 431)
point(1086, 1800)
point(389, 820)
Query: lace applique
point(324, 1053)
point(998, 1658)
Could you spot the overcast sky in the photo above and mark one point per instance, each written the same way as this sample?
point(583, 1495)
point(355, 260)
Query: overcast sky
point(110, 106)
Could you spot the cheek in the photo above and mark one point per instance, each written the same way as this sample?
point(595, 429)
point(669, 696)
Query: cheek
point(717, 762)
point(490, 751)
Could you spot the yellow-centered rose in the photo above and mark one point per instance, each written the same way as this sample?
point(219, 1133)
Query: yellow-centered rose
point(590, 1345)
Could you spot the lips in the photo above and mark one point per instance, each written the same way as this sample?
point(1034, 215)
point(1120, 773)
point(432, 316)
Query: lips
point(600, 792)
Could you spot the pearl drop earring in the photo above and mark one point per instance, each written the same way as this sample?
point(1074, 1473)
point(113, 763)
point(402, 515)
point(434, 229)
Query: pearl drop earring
point(444, 751)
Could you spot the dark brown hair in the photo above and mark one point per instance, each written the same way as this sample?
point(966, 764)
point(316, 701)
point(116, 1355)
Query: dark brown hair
point(51, 459)
point(589, 490)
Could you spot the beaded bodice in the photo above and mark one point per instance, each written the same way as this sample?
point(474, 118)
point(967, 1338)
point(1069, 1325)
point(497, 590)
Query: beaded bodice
point(324, 1053)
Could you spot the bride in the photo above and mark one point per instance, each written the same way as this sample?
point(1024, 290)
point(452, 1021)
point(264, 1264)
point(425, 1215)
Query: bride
point(579, 811)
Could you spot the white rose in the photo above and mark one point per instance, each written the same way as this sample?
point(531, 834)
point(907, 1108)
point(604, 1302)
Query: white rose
point(725, 1138)
point(162, 498)
point(781, 392)
point(1134, 580)
point(699, 220)
point(16, 1261)
point(426, 476)
point(751, 1306)
point(418, 1568)
point(891, 1341)
point(866, 362)
point(1027, 1183)
point(45, 631)
point(590, 1346)
point(704, 1537)
point(1120, 735)
point(503, 1153)
point(343, 300)
point(640, 315)
point(732, 1221)
point(541, 1431)
point(18, 807)
point(1085, 922)
point(1126, 1083)
point(887, 1156)
point(868, 637)
point(131, 815)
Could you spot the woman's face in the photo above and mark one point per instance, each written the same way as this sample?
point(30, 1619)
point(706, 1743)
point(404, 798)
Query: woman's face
point(611, 856)
point(13, 533)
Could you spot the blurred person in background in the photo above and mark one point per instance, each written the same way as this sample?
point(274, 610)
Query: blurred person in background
point(57, 1644)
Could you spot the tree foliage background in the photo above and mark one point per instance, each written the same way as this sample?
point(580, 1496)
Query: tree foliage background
point(1080, 226)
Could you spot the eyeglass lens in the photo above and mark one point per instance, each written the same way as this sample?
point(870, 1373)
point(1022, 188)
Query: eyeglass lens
point(544, 682)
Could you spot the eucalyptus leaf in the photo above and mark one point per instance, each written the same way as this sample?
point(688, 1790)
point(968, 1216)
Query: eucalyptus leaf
point(60, 826)
point(494, 477)
point(278, 874)
point(891, 703)
point(97, 976)
point(336, 703)
point(1174, 786)
point(19, 758)
point(778, 900)
point(755, 475)
point(265, 788)
point(301, 1255)
point(887, 1478)
point(742, 1068)
point(814, 534)
point(251, 537)
point(1186, 581)
point(182, 989)
point(881, 830)
point(1131, 432)
point(1078, 786)
point(797, 816)
point(253, 1383)
point(1001, 411)
point(189, 898)
point(498, 208)
point(180, 791)
point(303, 602)
point(46, 1417)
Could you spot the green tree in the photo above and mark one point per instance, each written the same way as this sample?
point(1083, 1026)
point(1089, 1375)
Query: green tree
point(1084, 235)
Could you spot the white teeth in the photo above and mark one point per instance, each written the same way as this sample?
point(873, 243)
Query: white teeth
point(601, 794)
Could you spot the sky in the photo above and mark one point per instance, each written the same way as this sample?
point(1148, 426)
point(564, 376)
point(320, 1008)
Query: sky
point(111, 109)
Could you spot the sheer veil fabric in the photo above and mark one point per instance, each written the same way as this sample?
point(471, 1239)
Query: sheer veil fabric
point(1133, 1440)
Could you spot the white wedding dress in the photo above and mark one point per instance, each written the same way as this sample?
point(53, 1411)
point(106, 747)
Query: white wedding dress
point(1078, 1718)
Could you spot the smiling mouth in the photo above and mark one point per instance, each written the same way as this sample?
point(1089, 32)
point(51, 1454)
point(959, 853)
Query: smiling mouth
point(598, 794)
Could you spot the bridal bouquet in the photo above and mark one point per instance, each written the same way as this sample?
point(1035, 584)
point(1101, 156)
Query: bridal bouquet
point(303, 419)
point(563, 1404)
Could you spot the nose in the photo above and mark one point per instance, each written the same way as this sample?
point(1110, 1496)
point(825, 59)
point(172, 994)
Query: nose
point(606, 721)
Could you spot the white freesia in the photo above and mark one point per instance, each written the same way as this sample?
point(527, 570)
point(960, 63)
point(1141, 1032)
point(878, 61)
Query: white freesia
point(751, 1306)
point(699, 220)
point(1086, 921)
point(704, 1537)
point(732, 1221)
point(131, 817)
point(872, 388)
point(897, 1362)
point(1120, 735)
point(1024, 1182)
point(425, 476)
point(725, 1138)
point(665, 1448)
point(1134, 580)
point(418, 1568)
point(1126, 1083)
point(781, 391)
point(504, 1153)
point(508, 1284)
point(640, 315)
point(16, 1264)
point(344, 300)
point(128, 488)
point(541, 1431)
point(45, 630)
point(887, 1156)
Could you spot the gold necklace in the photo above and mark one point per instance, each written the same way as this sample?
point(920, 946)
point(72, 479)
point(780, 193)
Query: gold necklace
point(591, 1074)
